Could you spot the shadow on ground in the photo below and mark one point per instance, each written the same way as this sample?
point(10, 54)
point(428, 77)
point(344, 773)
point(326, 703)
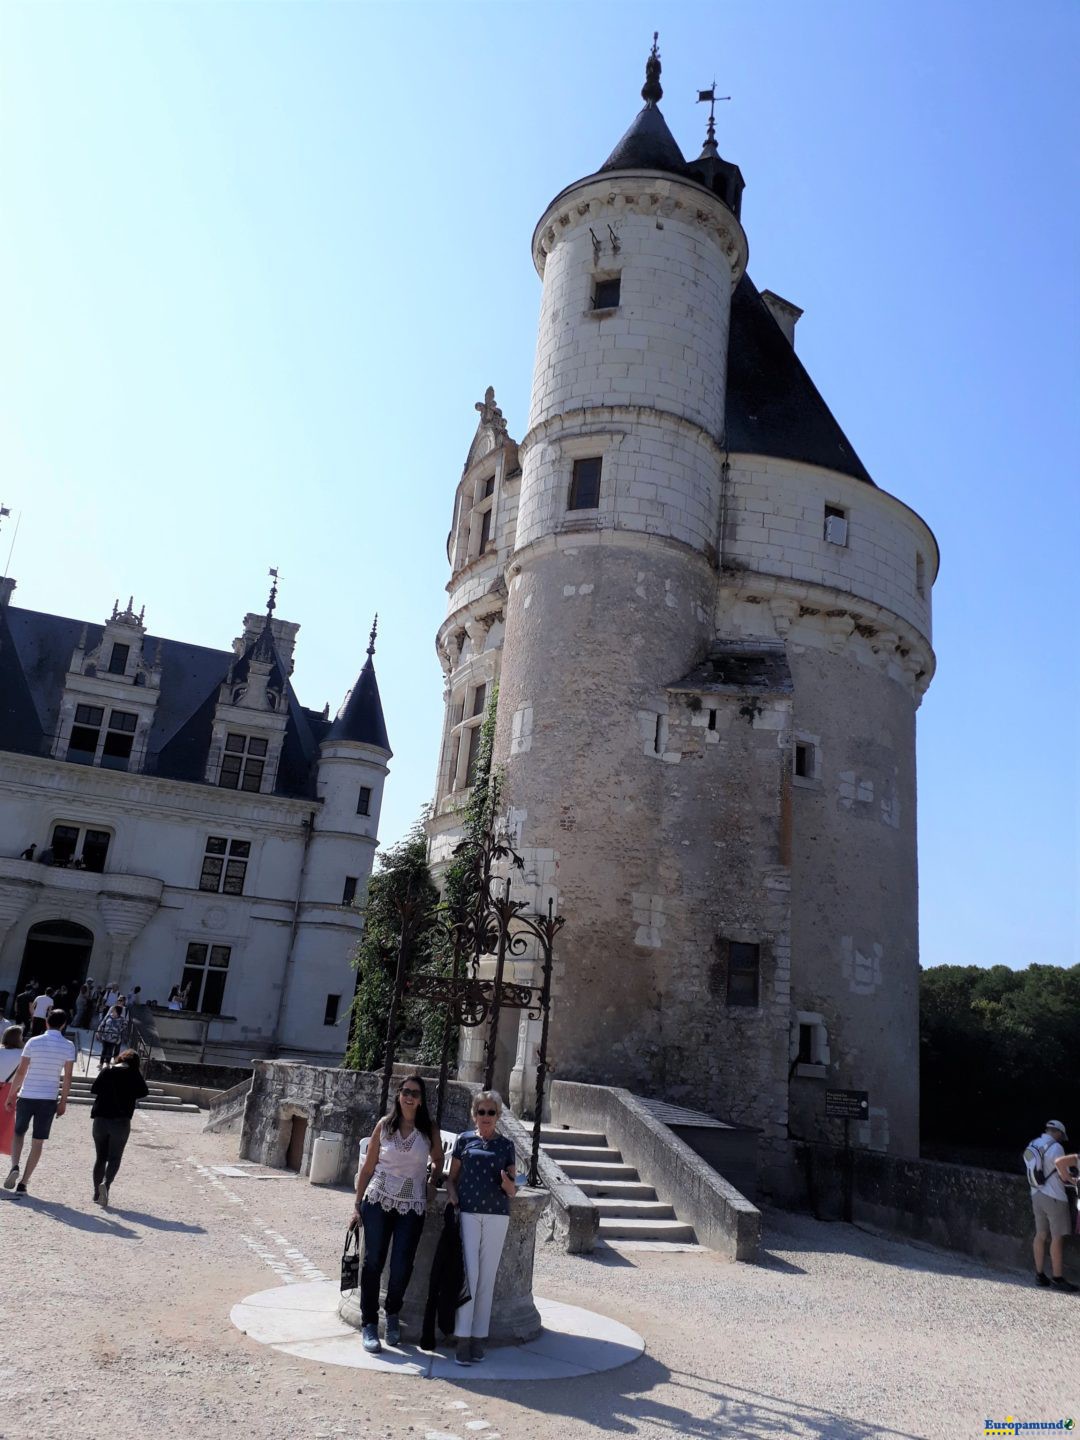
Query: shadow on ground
point(621, 1401)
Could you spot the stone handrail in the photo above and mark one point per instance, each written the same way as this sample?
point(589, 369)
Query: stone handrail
point(723, 1219)
point(227, 1106)
point(576, 1220)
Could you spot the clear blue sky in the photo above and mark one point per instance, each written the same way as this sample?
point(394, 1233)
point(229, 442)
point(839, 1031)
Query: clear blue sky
point(260, 260)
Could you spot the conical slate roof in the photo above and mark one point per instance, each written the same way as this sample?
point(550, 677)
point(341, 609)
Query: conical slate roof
point(360, 718)
point(647, 145)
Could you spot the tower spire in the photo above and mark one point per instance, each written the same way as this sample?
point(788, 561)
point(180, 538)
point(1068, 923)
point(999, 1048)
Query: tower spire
point(651, 91)
point(371, 637)
point(264, 645)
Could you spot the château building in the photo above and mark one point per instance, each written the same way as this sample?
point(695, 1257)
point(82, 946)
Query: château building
point(171, 815)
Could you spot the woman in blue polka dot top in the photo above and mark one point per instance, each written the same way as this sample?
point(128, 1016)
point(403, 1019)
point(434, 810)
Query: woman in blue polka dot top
point(481, 1184)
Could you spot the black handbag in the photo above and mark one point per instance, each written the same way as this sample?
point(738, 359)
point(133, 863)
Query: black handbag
point(350, 1259)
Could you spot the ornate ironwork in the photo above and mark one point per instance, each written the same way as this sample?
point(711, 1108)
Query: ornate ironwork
point(489, 924)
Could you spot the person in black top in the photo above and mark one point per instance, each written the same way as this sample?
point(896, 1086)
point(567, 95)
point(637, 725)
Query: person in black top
point(116, 1090)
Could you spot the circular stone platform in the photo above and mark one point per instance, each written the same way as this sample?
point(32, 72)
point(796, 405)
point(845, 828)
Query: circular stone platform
point(303, 1320)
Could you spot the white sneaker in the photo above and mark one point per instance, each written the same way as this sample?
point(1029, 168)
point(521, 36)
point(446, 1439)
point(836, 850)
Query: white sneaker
point(12, 1178)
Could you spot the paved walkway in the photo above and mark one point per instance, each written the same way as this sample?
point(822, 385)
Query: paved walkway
point(118, 1323)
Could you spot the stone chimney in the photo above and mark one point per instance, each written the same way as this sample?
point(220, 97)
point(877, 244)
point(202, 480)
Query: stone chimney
point(784, 313)
point(284, 631)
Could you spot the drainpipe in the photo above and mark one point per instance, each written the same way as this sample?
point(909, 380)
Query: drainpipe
point(290, 957)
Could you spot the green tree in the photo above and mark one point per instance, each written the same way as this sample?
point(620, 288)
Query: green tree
point(1000, 1051)
point(403, 869)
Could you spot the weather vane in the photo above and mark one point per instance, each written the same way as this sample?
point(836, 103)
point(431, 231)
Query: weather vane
point(711, 96)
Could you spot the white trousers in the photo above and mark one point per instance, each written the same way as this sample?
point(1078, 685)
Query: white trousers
point(482, 1239)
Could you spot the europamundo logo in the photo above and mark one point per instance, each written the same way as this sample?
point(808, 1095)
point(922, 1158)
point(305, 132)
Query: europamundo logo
point(1010, 1426)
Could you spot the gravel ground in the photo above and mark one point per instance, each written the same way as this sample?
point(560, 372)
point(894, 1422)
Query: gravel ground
point(117, 1323)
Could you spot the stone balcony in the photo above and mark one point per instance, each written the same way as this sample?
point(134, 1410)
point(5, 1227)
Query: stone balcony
point(123, 902)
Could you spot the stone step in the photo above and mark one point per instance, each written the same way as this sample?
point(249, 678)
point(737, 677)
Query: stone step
point(617, 1189)
point(673, 1231)
point(634, 1210)
point(173, 1106)
point(602, 1153)
point(594, 1170)
point(556, 1135)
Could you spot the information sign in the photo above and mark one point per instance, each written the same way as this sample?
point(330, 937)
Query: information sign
point(848, 1104)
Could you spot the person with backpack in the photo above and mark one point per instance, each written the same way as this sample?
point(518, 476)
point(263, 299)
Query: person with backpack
point(1049, 1203)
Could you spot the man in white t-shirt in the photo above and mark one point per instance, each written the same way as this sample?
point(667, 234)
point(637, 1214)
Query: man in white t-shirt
point(41, 1083)
point(39, 1012)
point(1050, 1205)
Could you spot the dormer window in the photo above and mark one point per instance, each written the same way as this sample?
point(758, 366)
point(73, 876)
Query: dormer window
point(85, 734)
point(119, 738)
point(118, 659)
point(243, 763)
point(86, 737)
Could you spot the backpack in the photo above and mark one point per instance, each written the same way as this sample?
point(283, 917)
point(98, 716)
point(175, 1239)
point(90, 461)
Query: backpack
point(1034, 1158)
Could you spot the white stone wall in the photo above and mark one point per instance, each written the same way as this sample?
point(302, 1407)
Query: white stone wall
point(775, 524)
point(147, 907)
point(659, 477)
point(676, 250)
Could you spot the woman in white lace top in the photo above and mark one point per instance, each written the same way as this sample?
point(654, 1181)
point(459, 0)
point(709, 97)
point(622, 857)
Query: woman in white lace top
point(391, 1199)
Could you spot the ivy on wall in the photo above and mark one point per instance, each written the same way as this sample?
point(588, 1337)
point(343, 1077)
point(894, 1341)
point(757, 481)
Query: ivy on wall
point(404, 869)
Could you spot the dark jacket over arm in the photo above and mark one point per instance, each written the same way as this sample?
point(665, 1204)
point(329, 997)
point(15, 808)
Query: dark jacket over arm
point(448, 1287)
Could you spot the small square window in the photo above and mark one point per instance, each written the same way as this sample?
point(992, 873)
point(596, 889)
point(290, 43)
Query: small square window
point(89, 714)
point(348, 895)
point(256, 747)
point(743, 973)
point(363, 803)
point(805, 758)
point(118, 659)
point(216, 845)
point(330, 1014)
point(606, 294)
point(585, 485)
point(239, 849)
point(234, 744)
point(806, 1044)
point(836, 525)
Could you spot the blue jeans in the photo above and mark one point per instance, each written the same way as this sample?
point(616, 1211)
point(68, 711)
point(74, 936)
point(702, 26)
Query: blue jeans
point(381, 1227)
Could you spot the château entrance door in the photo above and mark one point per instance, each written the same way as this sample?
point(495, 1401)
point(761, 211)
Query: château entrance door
point(57, 953)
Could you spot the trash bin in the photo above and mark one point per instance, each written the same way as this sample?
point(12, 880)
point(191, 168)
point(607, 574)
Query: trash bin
point(325, 1158)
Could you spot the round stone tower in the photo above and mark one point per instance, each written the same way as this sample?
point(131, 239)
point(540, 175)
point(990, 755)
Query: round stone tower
point(711, 639)
point(612, 585)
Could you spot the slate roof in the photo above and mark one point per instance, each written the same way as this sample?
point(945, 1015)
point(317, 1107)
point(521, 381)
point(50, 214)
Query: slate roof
point(734, 668)
point(647, 145)
point(361, 717)
point(773, 407)
point(35, 652)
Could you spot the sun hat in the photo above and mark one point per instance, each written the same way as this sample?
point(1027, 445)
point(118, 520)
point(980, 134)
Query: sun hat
point(1056, 1125)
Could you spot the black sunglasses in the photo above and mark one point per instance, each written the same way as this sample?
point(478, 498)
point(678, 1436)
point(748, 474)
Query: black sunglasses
point(410, 1094)
point(487, 1112)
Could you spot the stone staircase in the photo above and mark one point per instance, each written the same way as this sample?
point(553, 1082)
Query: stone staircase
point(157, 1099)
point(629, 1209)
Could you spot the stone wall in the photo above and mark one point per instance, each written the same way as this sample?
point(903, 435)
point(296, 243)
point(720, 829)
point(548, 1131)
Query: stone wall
point(345, 1102)
point(981, 1213)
